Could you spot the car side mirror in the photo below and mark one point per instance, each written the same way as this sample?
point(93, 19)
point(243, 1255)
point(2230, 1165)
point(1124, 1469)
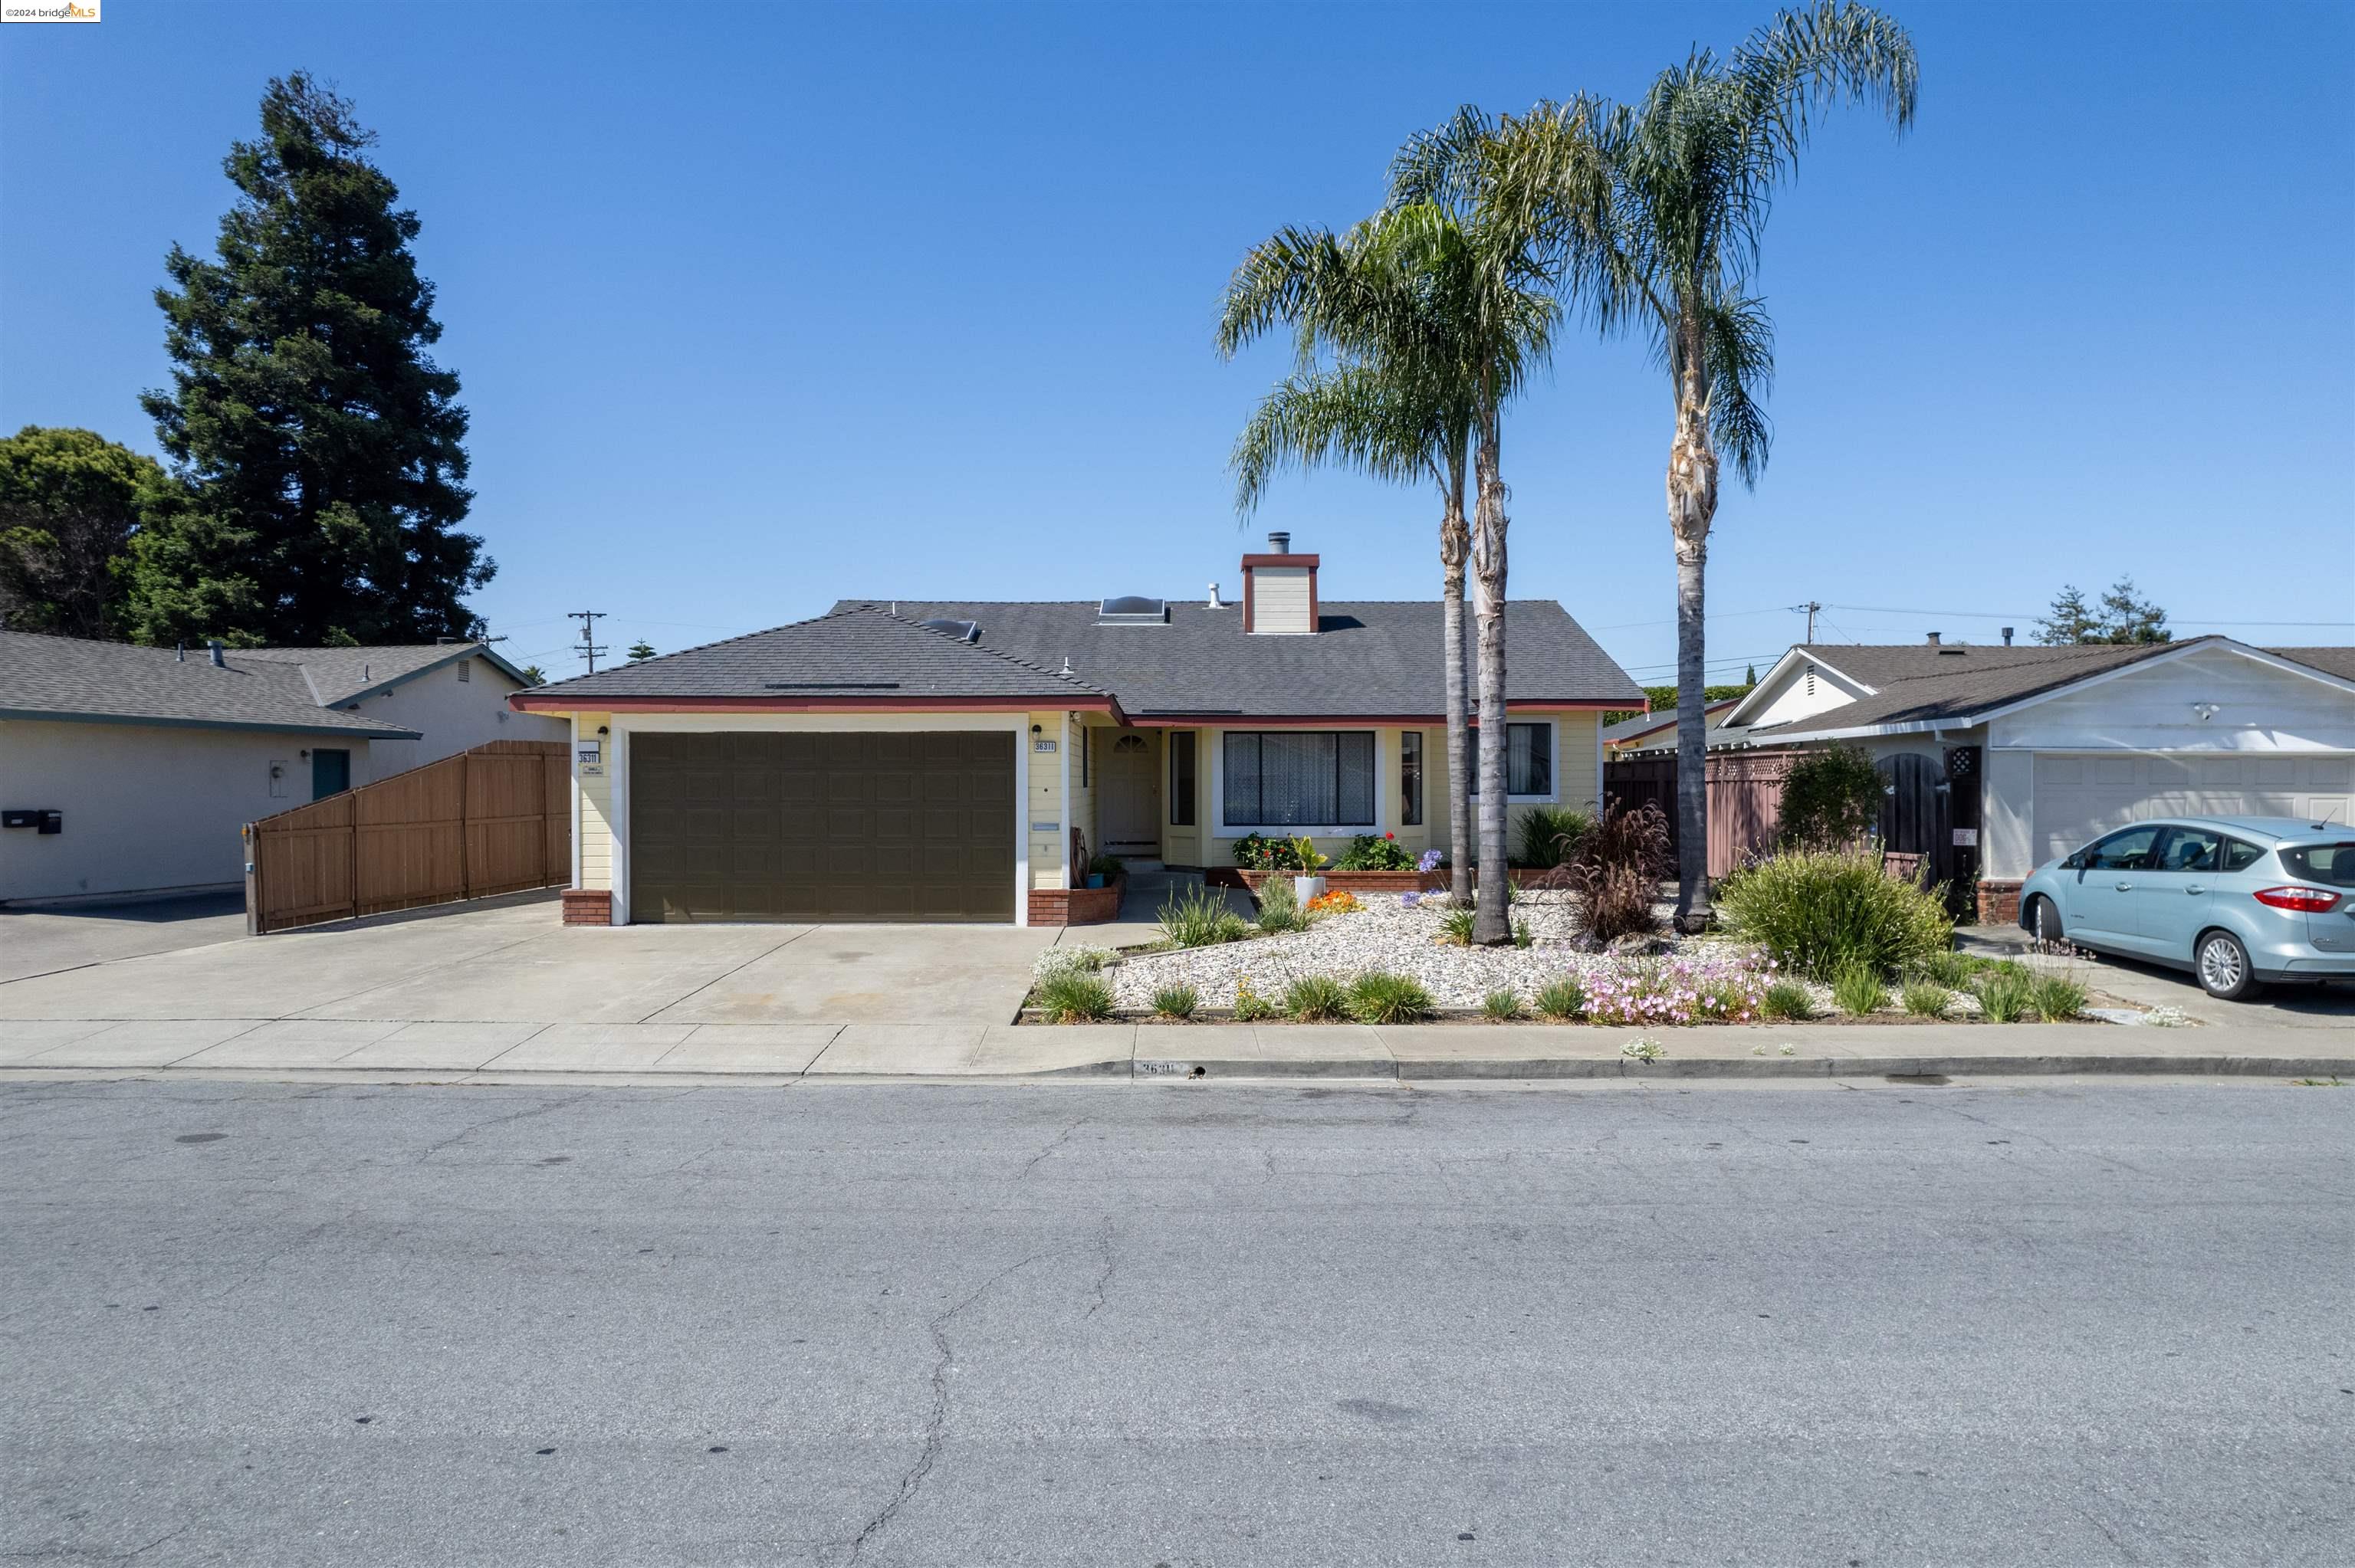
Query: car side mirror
point(2074, 862)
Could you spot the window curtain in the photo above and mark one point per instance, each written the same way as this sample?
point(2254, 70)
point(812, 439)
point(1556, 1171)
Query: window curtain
point(1529, 759)
point(1299, 779)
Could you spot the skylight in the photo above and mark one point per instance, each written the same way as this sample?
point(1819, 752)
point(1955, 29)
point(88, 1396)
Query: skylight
point(962, 631)
point(1131, 609)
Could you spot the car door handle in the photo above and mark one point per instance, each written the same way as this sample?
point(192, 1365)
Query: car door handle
point(2125, 887)
point(2195, 889)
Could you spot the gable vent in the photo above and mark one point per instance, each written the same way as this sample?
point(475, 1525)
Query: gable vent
point(949, 626)
point(1131, 609)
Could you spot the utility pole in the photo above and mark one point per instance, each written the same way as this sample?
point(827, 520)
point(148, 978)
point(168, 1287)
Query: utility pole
point(589, 646)
point(1808, 610)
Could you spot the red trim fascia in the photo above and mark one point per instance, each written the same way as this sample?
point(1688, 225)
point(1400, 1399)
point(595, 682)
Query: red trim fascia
point(1332, 721)
point(1057, 701)
point(1308, 561)
point(1247, 595)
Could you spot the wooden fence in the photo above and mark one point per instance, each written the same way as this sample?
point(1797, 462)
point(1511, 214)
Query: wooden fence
point(1745, 798)
point(497, 818)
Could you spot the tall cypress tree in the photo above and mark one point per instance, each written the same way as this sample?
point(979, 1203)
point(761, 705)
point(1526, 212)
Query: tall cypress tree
point(319, 443)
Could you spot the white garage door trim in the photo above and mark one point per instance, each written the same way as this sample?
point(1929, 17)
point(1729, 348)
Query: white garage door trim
point(2076, 797)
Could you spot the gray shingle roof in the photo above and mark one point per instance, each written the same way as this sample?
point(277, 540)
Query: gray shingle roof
point(1915, 683)
point(852, 653)
point(343, 674)
point(1368, 658)
point(68, 677)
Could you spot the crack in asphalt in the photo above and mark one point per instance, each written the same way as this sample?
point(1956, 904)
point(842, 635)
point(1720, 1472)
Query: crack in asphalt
point(1060, 1140)
point(1111, 1264)
point(936, 1425)
point(472, 1128)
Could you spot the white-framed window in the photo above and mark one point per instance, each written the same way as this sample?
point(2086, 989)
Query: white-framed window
point(1529, 752)
point(1299, 779)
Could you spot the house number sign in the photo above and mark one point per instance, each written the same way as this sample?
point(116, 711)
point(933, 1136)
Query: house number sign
point(590, 756)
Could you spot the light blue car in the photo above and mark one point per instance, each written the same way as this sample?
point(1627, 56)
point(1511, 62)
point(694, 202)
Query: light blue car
point(2239, 901)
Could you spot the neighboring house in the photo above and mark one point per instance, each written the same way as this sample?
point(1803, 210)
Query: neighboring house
point(2028, 752)
point(1648, 734)
point(132, 769)
point(898, 760)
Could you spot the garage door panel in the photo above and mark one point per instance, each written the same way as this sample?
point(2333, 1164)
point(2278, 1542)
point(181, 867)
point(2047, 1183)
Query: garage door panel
point(2074, 803)
point(823, 826)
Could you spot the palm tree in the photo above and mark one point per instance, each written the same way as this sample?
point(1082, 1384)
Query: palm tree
point(1386, 405)
point(1478, 260)
point(1659, 211)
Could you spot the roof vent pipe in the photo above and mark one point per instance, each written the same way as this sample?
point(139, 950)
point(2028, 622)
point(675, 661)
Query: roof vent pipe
point(1214, 603)
point(218, 663)
point(1281, 543)
point(1934, 640)
point(180, 651)
point(2007, 637)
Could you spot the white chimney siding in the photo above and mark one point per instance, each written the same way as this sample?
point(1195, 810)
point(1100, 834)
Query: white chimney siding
point(1281, 599)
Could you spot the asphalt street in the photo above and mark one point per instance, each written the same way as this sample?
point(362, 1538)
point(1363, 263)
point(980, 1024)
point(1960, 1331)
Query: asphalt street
point(265, 1324)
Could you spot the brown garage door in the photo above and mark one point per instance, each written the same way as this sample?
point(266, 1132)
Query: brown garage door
point(822, 827)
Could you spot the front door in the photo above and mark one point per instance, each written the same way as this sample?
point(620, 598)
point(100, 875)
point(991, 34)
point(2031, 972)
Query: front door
point(1128, 809)
point(331, 772)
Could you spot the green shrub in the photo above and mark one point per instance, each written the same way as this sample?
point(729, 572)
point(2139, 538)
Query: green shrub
point(1550, 833)
point(1177, 1001)
point(1250, 1006)
point(2057, 998)
point(1259, 852)
point(1374, 852)
point(1789, 1001)
point(1817, 914)
point(2006, 991)
point(1380, 997)
point(1456, 925)
point(1831, 798)
point(1316, 998)
point(1199, 917)
point(1522, 935)
point(1104, 865)
point(1926, 999)
point(1501, 1006)
point(1074, 996)
point(1858, 990)
point(1949, 969)
point(1562, 999)
point(1279, 908)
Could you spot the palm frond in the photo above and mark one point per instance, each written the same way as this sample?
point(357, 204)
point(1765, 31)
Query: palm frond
point(1739, 340)
point(1352, 417)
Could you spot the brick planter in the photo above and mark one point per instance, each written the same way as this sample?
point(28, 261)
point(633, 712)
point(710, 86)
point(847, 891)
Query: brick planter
point(1078, 905)
point(1391, 882)
point(1998, 901)
point(585, 908)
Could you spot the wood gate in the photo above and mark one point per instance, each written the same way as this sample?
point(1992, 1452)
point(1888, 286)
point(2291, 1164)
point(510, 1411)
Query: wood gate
point(1745, 799)
point(497, 818)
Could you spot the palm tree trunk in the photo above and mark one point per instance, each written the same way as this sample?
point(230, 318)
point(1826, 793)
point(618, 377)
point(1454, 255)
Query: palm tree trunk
point(1491, 924)
point(1692, 504)
point(1455, 545)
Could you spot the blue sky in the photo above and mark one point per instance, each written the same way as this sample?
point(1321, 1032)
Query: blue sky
point(758, 306)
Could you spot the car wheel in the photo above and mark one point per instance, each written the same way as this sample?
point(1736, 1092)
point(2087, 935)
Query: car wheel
point(2222, 966)
point(2043, 919)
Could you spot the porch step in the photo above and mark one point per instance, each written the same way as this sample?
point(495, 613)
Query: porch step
point(1138, 867)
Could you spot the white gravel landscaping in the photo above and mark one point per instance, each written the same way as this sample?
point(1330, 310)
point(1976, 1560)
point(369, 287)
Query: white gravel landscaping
point(1384, 935)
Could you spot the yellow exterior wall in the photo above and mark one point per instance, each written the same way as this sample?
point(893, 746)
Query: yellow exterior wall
point(1043, 801)
point(596, 798)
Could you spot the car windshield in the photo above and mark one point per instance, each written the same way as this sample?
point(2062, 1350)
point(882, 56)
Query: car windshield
point(2333, 866)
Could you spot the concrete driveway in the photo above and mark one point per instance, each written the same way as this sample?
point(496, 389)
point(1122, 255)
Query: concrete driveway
point(2329, 1006)
point(46, 938)
point(517, 964)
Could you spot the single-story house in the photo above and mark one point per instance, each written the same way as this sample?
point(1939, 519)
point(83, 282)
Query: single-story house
point(127, 769)
point(2001, 758)
point(1647, 735)
point(936, 761)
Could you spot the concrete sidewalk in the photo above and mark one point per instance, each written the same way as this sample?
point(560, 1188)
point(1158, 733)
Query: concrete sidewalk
point(504, 1052)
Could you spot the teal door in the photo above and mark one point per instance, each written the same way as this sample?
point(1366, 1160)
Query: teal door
point(331, 772)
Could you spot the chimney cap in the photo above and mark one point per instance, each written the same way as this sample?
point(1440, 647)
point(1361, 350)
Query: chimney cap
point(1280, 543)
point(215, 644)
point(1934, 640)
point(2007, 637)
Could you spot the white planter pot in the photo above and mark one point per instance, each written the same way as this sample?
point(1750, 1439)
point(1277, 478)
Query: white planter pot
point(1304, 889)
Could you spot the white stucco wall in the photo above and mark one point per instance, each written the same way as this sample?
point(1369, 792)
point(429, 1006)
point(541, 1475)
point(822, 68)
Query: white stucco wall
point(147, 807)
point(452, 714)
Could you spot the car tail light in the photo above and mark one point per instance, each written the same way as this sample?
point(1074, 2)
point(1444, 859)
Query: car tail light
point(2305, 900)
